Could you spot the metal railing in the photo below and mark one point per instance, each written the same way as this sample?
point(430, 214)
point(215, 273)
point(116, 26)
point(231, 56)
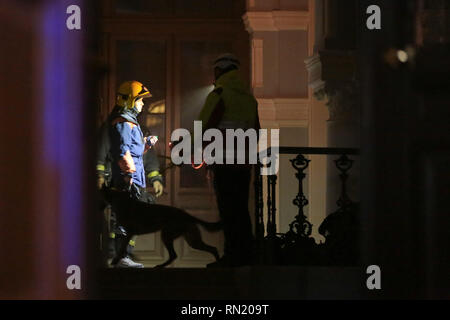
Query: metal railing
point(297, 247)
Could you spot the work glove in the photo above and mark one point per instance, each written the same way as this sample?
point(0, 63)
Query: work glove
point(157, 185)
point(100, 181)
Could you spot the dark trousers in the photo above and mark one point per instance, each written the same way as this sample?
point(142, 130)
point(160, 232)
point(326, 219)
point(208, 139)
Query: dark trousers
point(120, 232)
point(231, 185)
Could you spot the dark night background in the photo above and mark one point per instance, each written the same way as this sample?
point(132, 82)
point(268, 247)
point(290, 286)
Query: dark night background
point(56, 88)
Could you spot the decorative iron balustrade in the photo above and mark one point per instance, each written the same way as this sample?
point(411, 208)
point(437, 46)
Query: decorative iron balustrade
point(296, 246)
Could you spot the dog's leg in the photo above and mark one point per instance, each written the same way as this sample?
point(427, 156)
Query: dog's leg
point(168, 239)
point(194, 239)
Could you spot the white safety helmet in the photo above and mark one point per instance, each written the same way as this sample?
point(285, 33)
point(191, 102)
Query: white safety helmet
point(226, 60)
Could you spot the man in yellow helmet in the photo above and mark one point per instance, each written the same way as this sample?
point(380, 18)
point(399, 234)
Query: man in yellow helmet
point(114, 233)
point(231, 106)
point(125, 146)
point(127, 140)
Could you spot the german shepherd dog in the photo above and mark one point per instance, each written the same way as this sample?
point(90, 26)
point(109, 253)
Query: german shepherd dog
point(139, 218)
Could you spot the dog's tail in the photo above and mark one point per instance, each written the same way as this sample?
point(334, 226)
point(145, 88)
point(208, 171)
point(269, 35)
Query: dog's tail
point(210, 226)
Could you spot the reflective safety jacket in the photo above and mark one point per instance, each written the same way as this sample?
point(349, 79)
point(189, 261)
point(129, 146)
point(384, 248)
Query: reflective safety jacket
point(230, 106)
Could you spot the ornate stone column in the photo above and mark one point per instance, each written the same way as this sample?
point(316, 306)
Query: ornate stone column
point(333, 77)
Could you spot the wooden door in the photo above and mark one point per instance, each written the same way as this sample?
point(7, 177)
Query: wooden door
point(178, 72)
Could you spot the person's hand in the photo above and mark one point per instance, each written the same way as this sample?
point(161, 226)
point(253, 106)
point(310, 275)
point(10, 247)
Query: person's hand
point(157, 185)
point(100, 181)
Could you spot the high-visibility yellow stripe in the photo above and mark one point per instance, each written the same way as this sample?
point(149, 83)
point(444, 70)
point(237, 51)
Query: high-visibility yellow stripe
point(100, 167)
point(112, 235)
point(153, 174)
point(132, 243)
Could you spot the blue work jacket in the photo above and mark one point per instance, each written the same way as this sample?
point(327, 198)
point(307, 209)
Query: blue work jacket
point(127, 150)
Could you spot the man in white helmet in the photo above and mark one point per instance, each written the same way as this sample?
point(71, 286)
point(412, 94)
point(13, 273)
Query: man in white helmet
point(232, 106)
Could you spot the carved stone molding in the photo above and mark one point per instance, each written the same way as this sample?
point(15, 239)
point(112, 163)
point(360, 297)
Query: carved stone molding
point(315, 81)
point(258, 21)
point(291, 20)
point(332, 77)
point(343, 100)
point(275, 20)
point(283, 109)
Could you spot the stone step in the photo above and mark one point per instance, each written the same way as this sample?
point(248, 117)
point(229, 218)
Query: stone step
point(257, 282)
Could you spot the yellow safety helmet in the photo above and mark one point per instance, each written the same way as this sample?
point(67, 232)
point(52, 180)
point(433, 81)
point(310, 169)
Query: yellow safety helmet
point(129, 92)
